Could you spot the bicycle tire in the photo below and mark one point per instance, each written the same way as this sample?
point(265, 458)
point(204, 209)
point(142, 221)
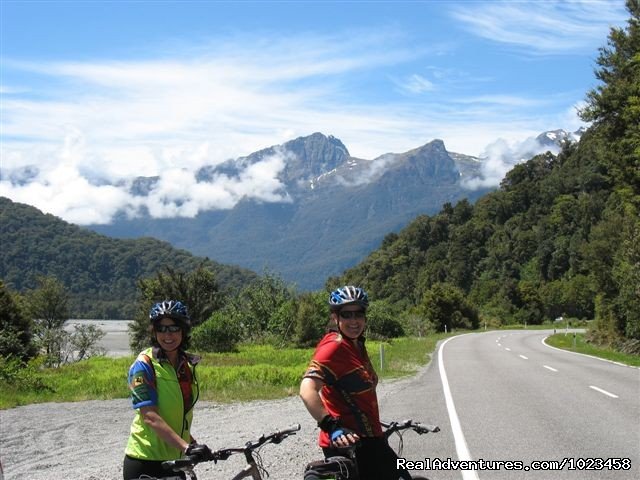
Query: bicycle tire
point(418, 477)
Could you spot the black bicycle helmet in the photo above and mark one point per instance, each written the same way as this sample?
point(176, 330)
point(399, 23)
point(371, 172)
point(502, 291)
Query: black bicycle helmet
point(348, 295)
point(169, 308)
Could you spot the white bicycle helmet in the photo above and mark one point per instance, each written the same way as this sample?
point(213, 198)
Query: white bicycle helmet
point(348, 295)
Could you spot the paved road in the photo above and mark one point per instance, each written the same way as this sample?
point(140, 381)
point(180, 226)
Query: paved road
point(518, 399)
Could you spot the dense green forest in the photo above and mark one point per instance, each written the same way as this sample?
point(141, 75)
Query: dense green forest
point(100, 273)
point(561, 237)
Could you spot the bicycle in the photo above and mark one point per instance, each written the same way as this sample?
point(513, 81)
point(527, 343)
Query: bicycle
point(251, 451)
point(345, 467)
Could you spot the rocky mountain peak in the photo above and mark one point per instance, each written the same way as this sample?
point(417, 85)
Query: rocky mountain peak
point(555, 138)
point(313, 155)
point(305, 158)
point(431, 162)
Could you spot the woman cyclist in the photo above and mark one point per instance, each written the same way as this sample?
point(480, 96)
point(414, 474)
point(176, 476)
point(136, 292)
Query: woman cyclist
point(339, 389)
point(163, 388)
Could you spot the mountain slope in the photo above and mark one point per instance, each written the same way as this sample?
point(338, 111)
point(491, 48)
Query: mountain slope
point(100, 272)
point(334, 208)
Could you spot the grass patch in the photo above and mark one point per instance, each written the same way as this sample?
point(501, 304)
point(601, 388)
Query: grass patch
point(403, 356)
point(254, 372)
point(580, 345)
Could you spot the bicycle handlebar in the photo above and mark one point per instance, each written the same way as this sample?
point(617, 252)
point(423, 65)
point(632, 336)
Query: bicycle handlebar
point(275, 437)
point(225, 453)
point(419, 428)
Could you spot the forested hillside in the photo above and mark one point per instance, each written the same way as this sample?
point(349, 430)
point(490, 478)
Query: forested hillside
point(99, 272)
point(561, 237)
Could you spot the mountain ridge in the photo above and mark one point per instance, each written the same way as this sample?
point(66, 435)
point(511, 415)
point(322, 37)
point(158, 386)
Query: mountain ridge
point(331, 208)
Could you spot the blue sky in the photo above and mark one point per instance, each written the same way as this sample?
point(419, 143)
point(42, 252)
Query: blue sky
point(95, 93)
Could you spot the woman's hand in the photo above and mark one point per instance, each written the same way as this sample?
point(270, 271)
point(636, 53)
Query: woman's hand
point(343, 438)
point(152, 417)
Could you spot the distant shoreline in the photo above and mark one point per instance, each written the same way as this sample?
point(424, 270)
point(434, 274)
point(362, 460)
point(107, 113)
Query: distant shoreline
point(116, 339)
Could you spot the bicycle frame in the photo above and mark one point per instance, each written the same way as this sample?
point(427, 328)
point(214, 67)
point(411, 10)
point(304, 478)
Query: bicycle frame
point(250, 471)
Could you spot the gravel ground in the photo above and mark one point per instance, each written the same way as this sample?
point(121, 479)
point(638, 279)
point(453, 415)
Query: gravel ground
point(86, 440)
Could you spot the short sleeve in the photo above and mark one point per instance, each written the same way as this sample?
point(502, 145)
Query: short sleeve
point(327, 361)
point(142, 384)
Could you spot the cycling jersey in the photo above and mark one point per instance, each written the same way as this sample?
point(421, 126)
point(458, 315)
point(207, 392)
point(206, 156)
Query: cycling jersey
point(154, 382)
point(349, 390)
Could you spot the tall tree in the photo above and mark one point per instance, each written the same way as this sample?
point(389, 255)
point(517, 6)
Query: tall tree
point(614, 106)
point(197, 289)
point(48, 305)
point(614, 109)
point(15, 328)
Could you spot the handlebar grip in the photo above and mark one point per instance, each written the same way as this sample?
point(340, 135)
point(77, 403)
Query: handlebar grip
point(277, 437)
point(221, 454)
point(289, 431)
point(420, 428)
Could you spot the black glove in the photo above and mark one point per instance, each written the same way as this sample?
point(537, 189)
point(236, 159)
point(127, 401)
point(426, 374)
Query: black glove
point(329, 424)
point(332, 426)
point(200, 451)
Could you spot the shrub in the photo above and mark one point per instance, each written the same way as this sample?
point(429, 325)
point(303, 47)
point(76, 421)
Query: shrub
point(19, 375)
point(445, 306)
point(382, 321)
point(217, 334)
point(310, 319)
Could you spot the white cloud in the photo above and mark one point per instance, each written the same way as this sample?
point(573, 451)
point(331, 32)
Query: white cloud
point(417, 84)
point(550, 27)
point(503, 101)
point(64, 192)
point(502, 155)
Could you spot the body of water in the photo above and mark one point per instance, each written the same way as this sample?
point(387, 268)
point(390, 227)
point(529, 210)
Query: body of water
point(116, 339)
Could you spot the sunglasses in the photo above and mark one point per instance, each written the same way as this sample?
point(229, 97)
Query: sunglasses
point(168, 328)
point(349, 314)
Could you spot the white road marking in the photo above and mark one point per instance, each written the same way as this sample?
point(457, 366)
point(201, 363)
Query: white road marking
point(603, 391)
point(522, 356)
point(461, 443)
point(499, 344)
point(507, 349)
point(543, 341)
point(550, 368)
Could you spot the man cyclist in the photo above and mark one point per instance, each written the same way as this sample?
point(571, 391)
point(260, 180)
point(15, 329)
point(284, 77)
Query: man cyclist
point(339, 389)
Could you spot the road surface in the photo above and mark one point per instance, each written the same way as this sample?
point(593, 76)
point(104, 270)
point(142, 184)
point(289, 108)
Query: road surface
point(507, 396)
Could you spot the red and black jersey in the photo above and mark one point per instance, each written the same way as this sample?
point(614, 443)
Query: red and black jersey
point(349, 390)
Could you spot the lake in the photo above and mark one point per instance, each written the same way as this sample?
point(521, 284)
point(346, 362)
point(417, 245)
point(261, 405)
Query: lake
point(116, 340)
